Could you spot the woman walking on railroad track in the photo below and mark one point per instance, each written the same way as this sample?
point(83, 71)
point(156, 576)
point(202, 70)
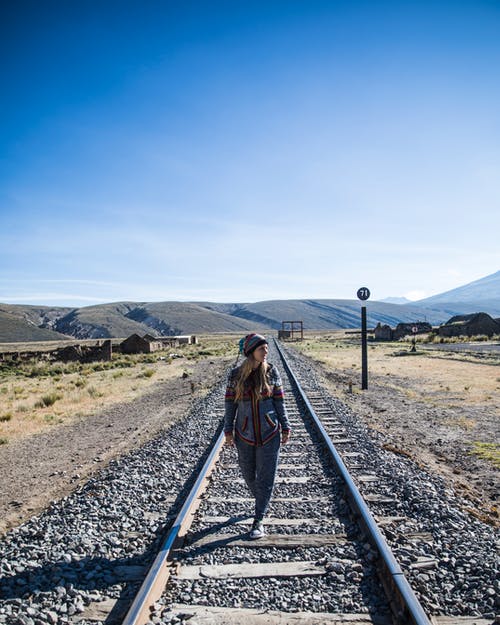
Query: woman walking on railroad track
point(254, 416)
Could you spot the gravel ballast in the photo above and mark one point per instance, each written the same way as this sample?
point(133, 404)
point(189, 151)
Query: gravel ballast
point(87, 547)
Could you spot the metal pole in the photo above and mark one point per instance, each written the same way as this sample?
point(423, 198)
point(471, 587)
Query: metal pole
point(364, 351)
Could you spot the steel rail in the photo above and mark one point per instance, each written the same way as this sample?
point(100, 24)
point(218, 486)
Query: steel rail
point(158, 574)
point(408, 608)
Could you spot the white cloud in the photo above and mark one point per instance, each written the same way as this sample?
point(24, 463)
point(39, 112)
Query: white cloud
point(59, 299)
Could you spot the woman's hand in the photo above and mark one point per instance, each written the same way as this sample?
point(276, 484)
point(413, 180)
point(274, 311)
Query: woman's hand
point(285, 436)
point(229, 439)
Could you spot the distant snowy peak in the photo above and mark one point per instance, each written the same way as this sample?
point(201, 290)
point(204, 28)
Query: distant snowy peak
point(485, 289)
point(395, 300)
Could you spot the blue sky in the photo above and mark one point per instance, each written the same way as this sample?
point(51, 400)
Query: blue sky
point(243, 151)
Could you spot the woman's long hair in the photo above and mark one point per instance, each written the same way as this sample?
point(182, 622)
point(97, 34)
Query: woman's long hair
point(260, 382)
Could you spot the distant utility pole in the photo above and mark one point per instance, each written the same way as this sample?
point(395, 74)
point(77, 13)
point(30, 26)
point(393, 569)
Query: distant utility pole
point(363, 294)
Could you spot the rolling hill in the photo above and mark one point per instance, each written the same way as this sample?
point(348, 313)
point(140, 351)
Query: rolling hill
point(101, 321)
point(184, 317)
point(41, 316)
point(120, 319)
point(16, 329)
point(322, 314)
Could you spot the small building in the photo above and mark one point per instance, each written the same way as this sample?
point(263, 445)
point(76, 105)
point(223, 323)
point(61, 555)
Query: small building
point(174, 341)
point(187, 339)
point(470, 325)
point(386, 333)
point(383, 332)
point(70, 353)
point(168, 341)
point(136, 344)
point(408, 329)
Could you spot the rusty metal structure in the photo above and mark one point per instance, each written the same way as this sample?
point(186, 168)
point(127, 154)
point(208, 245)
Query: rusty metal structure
point(294, 331)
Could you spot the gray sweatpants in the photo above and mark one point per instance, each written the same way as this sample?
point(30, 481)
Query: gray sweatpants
point(259, 466)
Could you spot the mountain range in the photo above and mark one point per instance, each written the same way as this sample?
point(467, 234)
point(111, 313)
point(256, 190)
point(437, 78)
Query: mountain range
point(120, 319)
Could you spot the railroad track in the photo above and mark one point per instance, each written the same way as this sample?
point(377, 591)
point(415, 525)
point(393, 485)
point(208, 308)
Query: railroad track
point(82, 561)
point(324, 559)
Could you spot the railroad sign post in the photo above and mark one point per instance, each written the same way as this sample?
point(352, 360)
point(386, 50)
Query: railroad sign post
point(414, 339)
point(363, 294)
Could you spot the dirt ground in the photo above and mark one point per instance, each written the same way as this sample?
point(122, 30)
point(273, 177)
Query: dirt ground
point(442, 409)
point(436, 408)
point(50, 464)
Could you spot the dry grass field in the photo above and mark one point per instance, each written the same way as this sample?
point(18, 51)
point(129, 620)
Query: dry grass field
point(436, 377)
point(36, 396)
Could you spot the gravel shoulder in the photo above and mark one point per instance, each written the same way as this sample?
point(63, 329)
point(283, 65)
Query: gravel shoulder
point(47, 466)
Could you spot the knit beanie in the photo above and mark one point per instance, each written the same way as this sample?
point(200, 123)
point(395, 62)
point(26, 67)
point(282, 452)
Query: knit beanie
point(251, 342)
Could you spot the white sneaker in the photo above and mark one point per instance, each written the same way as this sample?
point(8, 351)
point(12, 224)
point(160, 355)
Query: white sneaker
point(257, 530)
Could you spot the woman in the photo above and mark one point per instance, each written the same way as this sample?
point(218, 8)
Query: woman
point(255, 414)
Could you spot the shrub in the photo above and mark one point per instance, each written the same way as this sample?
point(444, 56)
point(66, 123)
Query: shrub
point(51, 418)
point(487, 451)
point(93, 392)
point(147, 373)
point(3, 440)
point(99, 366)
point(124, 361)
point(6, 417)
point(48, 400)
point(81, 382)
point(38, 371)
